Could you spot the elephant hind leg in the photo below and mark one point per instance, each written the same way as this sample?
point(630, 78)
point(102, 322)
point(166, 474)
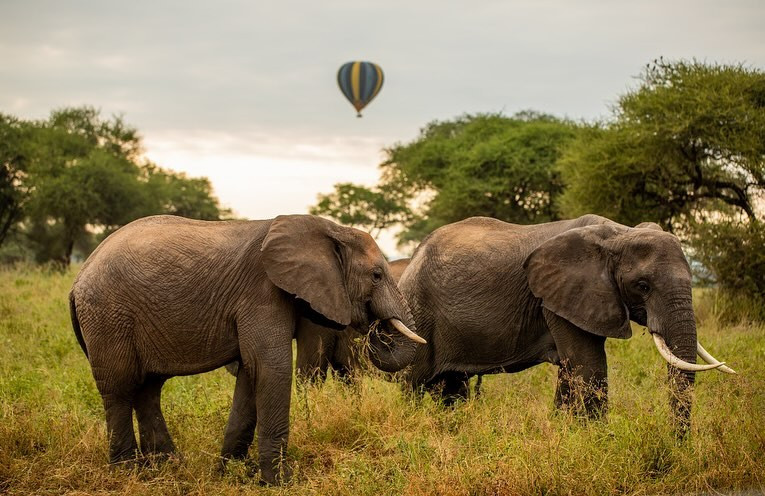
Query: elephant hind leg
point(115, 369)
point(240, 428)
point(152, 429)
point(118, 399)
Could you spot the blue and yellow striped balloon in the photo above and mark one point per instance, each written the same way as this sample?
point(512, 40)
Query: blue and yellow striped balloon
point(360, 82)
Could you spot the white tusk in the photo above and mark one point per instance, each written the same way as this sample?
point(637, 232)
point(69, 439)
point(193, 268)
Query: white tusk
point(665, 352)
point(400, 327)
point(707, 357)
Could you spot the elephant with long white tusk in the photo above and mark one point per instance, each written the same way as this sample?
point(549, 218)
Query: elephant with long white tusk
point(491, 297)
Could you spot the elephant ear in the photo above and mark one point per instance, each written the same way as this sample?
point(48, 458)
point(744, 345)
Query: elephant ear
point(572, 276)
point(301, 255)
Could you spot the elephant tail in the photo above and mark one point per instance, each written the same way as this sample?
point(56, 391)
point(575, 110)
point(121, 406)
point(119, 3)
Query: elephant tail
point(76, 323)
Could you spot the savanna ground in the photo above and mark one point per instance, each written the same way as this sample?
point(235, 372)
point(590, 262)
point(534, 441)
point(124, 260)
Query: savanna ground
point(371, 439)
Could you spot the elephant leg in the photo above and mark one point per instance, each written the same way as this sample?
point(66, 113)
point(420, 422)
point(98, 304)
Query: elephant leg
point(152, 429)
point(265, 345)
point(345, 359)
point(240, 429)
point(315, 346)
point(119, 427)
point(117, 391)
point(478, 386)
point(583, 374)
point(272, 399)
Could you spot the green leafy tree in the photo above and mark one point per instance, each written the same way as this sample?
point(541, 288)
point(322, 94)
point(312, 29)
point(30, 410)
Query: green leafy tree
point(13, 168)
point(485, 164)
point(368, 208)
point(687, 145)
point(81, 174)
point(175, 193)
point(733, 252)
point(65, 179)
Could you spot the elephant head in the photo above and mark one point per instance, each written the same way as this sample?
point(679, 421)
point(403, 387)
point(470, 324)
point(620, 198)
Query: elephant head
point(341, 278)
point(600, 277)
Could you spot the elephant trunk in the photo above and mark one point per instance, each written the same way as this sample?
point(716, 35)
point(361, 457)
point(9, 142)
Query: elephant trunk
point(391, 347)
point(679, 332)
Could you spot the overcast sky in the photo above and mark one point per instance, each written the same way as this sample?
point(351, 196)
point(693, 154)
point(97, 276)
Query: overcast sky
point(245, 92)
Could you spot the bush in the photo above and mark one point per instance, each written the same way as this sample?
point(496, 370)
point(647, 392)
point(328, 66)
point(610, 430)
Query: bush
point(734, 253)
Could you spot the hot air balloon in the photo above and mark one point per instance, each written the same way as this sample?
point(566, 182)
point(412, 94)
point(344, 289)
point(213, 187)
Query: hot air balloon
point(360, 82)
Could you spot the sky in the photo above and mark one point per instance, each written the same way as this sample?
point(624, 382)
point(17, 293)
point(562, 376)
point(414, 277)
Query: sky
point(245, 92)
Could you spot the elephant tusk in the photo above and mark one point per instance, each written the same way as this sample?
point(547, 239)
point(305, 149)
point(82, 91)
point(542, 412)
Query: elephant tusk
point(676, 362)
point(400, 327)
point(707, 357)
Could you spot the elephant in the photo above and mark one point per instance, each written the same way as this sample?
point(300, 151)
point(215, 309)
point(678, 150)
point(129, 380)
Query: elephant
point(319, 348)
point(491, 297)
point(165, 296)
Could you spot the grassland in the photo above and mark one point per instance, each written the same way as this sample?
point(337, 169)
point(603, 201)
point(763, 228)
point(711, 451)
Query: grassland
point(370, 439)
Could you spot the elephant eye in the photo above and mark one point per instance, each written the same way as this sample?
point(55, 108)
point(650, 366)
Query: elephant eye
point(643, 286)
point(377, 276)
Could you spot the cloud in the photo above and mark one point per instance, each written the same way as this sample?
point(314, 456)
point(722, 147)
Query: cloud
point(245, 92)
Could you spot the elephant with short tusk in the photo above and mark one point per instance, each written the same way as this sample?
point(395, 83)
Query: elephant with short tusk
point(166, 296)
point(495, 297)
point(320, 348)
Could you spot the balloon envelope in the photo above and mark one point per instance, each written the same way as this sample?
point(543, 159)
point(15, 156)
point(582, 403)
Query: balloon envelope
point(360, 82)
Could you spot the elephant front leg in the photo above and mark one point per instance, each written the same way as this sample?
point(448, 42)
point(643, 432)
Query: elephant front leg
point(582, 385)
point(583, 395)
point(272, 398)
point(265, 345)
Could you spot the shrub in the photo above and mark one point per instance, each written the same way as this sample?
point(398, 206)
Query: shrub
point(734, 253)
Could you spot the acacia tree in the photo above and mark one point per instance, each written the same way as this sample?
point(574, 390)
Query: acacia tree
point(687, 145)
point(486, 164)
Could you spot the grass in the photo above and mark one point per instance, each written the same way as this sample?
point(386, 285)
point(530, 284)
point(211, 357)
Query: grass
point(369, 438)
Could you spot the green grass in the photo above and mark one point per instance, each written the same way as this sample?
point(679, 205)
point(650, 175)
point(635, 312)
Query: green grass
point(369, 438)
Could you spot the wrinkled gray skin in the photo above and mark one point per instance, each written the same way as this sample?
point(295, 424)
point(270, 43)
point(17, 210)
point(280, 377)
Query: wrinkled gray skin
point(319, 347)
point(493, 297)
point(167, 296)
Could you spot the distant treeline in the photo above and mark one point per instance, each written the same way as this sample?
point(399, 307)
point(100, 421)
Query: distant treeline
point(68, 181)
point(685, 149)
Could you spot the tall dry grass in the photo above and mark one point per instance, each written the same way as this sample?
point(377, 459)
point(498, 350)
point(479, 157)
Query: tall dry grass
point(370, 439)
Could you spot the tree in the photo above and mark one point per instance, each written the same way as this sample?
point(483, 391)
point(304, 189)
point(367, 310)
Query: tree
point(485, 164)
point(76, 174)
point(687, 145)
point(733, 252)
point(176, 194)
point(358, 206)
point(13, 168)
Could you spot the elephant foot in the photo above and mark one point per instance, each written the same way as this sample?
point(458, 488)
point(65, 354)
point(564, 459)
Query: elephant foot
point(128, 459)
point(155, 458)
point(249, 466)
point(592, 408)
point(276, 474)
